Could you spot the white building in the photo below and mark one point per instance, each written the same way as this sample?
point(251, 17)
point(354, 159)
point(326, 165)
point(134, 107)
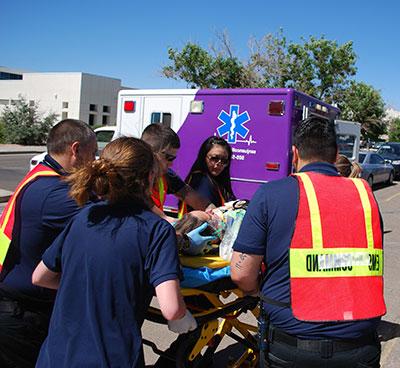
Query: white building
point(391, 114)
point(90, 98)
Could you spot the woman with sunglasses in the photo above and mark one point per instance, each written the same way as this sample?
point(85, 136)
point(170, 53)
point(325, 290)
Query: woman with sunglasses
point(210, 173)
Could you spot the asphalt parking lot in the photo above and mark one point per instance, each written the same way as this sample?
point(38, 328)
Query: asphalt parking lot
point(389, 201)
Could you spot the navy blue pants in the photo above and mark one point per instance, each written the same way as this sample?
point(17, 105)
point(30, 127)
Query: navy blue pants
point(283, 355)
point(21, 335)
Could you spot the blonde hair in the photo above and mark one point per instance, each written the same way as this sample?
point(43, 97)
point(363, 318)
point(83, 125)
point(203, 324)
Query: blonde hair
point(347, 168)
point(122, 173)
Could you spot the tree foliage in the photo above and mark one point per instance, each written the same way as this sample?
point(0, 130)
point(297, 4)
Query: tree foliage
point(364, 104)
point(394, 130)
point(199, 68)
point(24, 125)
point(316, 66)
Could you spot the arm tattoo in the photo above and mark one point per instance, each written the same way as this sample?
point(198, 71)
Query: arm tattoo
point(242, 258)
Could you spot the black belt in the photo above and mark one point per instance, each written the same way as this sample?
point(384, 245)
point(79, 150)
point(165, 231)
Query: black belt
point(325, 346)
point(10, 306)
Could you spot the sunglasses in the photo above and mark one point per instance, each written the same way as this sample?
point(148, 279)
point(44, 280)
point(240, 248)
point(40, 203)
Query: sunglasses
point(217, 160)
point(168, 157)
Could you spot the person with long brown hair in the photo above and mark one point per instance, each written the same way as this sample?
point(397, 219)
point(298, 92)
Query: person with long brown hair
point(106, 264)
point(347, 168)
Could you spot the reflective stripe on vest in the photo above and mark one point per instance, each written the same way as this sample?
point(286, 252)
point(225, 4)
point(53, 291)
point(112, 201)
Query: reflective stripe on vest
point(336, 255)
point(8, 216)
point(158, 193)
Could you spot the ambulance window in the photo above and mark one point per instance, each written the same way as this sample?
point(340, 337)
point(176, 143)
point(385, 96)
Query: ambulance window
point(156, 117)
point(161, 118)
point(346, 144)
point(166, 119)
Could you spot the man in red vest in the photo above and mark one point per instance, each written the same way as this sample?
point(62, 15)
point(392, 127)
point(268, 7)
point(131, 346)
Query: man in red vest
point(36, 213)
point(320, 237)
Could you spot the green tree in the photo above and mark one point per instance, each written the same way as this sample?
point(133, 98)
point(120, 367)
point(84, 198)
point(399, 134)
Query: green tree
point(269, 61)
point(199, 68)
point(317, 66)
point(364, 104)
point(321, 67)
point(2, 133)
point(394, 130)
point(24, 125)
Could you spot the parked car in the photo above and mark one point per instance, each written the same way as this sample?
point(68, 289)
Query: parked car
point(390, 151)
point(104, 135)
point(375, 169)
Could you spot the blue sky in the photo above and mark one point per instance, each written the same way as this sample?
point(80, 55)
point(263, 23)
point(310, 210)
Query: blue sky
point(129, 39)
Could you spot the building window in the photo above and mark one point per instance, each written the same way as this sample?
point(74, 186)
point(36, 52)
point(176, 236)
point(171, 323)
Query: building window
point(92, 119)
point(65, 105)
point(64, 115)
point(4, 102)
point(105, 119)
point(106, 108)
point(92, 107)
point(8, 76)
point(31, 103)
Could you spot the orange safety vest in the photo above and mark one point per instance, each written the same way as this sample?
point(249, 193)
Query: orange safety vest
point(336, 254)
point(8, 216)
point(159, 191)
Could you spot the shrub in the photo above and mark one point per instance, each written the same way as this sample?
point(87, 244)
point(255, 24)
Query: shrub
point(22, 123)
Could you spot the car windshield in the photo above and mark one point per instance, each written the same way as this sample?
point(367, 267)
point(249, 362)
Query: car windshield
point(361, 157)
point(104, 136)
point(390, 149)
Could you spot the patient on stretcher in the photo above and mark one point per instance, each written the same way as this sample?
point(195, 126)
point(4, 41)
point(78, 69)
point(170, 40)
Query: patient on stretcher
point(223, 223)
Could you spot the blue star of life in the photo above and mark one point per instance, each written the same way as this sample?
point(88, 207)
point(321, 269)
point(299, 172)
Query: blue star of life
point(233, 123)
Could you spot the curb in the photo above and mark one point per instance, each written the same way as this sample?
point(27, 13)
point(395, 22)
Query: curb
point(20, 152)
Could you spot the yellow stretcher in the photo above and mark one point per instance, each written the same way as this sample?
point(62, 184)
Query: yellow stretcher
point(217, 307)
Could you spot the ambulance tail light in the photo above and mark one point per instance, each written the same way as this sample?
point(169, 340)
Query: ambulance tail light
point(272, 166)
point(129, 106)
point(276, 108)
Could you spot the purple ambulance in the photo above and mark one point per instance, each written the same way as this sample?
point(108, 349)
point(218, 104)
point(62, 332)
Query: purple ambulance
point(257, 123)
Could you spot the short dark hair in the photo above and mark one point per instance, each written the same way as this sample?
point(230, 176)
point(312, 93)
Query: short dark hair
point(66, 132)
point(160, 137)
point(315, 138)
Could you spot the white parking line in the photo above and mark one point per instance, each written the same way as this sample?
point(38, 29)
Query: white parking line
point(391, 197)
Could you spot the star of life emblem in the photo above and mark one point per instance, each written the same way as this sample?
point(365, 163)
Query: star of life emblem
point(233, 123)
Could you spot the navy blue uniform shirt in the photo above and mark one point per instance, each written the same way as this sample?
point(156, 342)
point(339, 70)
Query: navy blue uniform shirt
point(110, 259)
point(204, 186)
point(267, 230)
point(43, 209)
point(175, 183)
